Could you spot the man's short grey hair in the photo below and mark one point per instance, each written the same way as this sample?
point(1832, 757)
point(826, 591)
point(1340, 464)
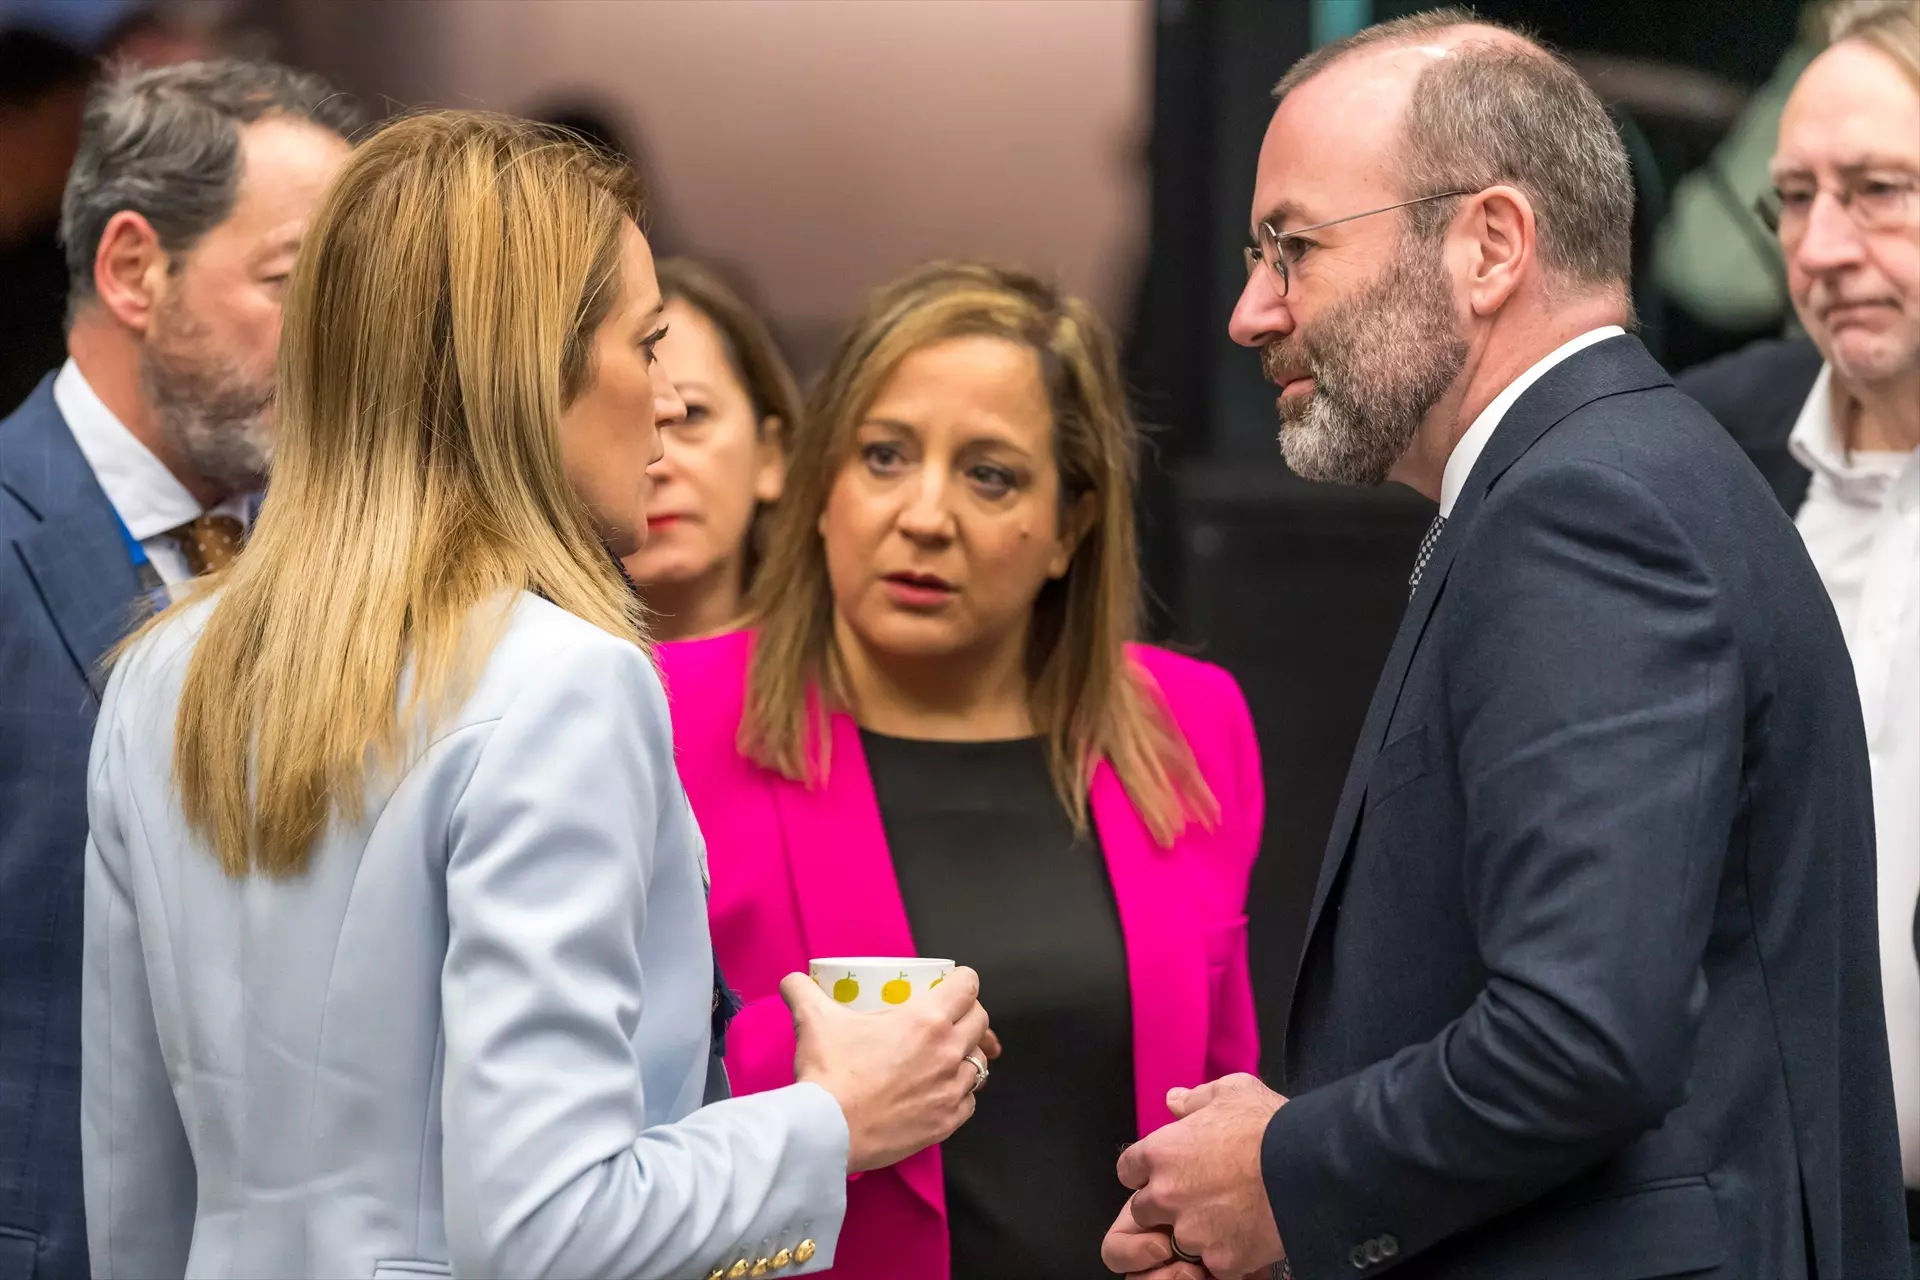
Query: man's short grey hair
point(165, 144)
point(1494, 114)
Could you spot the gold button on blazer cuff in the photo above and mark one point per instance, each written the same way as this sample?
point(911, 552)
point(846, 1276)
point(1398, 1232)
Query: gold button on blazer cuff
point(803, 1254)
point(761, 1268)
point(739, 1271)
point(718, 1273)
point(783, 1258)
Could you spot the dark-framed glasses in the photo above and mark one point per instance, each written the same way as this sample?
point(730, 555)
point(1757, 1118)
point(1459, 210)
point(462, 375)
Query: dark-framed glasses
point(1278, 248)
point(1875, 202)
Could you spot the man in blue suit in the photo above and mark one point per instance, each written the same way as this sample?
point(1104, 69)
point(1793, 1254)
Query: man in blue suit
point(1591, 982)
point(132, 468)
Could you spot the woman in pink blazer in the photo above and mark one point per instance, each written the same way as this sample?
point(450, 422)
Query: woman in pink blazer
point(937, 738)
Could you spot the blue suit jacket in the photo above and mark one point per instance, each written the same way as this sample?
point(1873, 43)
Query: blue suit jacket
point(68, 591)
point(1591, 987)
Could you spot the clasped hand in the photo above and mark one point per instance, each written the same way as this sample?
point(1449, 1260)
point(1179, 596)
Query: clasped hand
point(1197, 1181)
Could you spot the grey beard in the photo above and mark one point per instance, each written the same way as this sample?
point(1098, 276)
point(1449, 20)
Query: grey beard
point(211, 418)
point(1380, 360)
point(1331, 443)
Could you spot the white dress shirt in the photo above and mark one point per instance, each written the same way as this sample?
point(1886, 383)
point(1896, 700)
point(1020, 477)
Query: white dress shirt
point(150, 499)
point(1467, 452)
point(1861, 524)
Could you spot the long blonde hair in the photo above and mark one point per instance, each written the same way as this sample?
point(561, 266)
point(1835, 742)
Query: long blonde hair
point(1086, 698)
point(440, 318)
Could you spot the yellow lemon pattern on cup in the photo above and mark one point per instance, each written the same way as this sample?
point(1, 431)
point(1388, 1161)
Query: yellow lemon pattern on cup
point(869, 984)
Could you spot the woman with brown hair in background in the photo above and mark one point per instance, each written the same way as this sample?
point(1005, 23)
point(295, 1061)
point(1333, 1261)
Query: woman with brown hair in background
point(939, 739)
point(722, 464)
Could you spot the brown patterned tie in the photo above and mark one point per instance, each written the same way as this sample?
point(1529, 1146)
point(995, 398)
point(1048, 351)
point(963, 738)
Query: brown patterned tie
point(209, 542)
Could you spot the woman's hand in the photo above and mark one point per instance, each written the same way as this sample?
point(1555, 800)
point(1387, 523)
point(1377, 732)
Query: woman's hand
point(901, 1076)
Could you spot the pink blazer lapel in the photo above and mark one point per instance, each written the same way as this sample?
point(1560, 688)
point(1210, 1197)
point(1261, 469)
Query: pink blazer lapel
point(843, 878)
point(842, 872)
point(1166, 954)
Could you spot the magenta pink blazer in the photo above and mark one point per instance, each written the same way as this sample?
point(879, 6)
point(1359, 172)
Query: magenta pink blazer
point(801, 872)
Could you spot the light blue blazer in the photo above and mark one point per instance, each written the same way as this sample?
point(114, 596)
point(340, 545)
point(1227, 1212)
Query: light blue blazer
point(471, 1039)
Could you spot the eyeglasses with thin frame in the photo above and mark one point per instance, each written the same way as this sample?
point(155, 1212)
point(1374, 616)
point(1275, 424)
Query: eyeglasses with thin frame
point(1272, 248)
point(1875, 202)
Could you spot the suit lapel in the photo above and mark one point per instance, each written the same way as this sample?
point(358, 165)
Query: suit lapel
point(1166, 955)
point(75, 556)
point(849, 899)
point(1612, 367)
point(1386, 696)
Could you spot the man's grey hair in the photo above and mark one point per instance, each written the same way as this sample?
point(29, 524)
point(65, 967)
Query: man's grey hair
point(165, 144)
point(1891, 26)
point(1493, 114)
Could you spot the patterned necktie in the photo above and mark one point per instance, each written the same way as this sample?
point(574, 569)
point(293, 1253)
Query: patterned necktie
point(209, 542)
point(1426, 553)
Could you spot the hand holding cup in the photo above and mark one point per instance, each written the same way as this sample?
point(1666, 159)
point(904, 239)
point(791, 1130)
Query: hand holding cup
point(901, 1073)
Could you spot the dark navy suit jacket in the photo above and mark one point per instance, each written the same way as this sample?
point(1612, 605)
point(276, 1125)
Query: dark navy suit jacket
point(68, 591)
point(1591, 987)
point(1757, 393)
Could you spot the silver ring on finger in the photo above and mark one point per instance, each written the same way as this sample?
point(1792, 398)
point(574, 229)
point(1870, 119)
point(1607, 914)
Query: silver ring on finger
point(980, 1072)
point(1181, 1255)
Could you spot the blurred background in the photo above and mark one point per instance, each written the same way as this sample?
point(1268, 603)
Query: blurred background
point(811, 149)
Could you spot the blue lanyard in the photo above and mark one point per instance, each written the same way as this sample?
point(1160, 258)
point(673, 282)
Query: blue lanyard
point(152, 587)
point(135, 552)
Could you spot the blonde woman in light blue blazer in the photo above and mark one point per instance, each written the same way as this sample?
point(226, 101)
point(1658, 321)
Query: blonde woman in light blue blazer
point(396, 950)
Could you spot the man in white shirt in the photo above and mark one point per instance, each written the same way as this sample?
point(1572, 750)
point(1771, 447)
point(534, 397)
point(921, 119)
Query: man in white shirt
point(132, 469)
point(1589, 984)
point(1846, 207)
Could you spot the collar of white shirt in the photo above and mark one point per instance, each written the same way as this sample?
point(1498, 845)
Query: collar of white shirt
point(1858, 477)
point(1467, 452)
point(149, 498)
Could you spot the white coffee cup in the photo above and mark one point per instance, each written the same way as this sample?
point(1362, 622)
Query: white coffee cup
point(877, 982)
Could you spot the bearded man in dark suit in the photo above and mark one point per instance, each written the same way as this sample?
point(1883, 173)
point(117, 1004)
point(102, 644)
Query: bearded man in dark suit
point(1590, 986)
